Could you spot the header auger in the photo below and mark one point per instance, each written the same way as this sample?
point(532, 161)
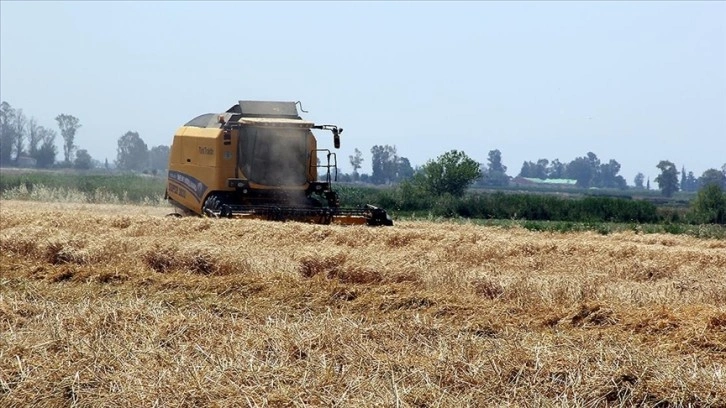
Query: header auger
point(259, 160)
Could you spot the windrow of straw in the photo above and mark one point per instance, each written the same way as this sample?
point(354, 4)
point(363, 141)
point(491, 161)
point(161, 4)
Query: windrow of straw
point(118, 305)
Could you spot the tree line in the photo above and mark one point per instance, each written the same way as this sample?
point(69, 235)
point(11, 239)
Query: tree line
point(440, 186)
point(25, 143)
point(588, 171)
point(23, 140)
point(134, 154)
point(669, 183)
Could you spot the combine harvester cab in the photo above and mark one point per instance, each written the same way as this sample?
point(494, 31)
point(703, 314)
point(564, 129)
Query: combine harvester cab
point(259, 160)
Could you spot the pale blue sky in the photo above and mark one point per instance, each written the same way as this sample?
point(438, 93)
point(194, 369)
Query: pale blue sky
point(632, 81)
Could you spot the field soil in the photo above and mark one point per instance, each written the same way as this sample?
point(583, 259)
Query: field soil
point(104, 305)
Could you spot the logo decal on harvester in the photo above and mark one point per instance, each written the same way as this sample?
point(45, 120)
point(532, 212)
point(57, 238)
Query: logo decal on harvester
point(194, 186)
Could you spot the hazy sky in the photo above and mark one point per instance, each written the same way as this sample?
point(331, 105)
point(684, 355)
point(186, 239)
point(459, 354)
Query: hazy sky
point(637, 82)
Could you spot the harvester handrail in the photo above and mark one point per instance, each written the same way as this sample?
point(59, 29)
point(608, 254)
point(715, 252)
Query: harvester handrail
point(314, 153)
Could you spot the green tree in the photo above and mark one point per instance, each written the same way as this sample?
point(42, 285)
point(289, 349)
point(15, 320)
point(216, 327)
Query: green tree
point(529, 169)
point(404, 170)
point(452, 173)
point(68, 125)
point(34, 138)
point(20, 124)
point(710, 204)
point(83, 160)
point(495, 173)
point(580, 169)
point(639, 178)
point(384, 162)
point(535, 170)
point(7, 132)
point(556, 169)
point(586, 170)
point(132, 152)
point(494, 162)
point(47, 151)
point(356, 161)
point(712, 176)
point(691, 182)
point(668, 178)
point(159, 157)
point(609, 177)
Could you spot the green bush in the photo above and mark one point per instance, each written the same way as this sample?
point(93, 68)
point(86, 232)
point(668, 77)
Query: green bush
point(709, 207)
point(410, 197)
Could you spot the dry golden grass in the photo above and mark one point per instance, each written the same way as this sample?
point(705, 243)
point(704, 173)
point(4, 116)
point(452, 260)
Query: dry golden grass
point(120, 306)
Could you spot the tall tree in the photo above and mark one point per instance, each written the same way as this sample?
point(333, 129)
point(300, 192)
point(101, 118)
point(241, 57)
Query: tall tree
point(528, 169)
point(639, 178)
point(609, 177)
point(34, 137)
point(384, 162)
point(356, 161)
point(83, 161)
point(404, 170)
point(668, 178)
point(581, 170)
point(495, 173)
point(452, 172)
point(7, 132)
point(684, 179)
point(159, 157)
point(68, 125)
point(542, 165)
point(46, 153)
point(710, 204)
point(534, 170)
point(21, 123)
point(494, 162)
point(587, 170)
point(556, 170)
point(691, 182)
point(132, 152)
point(712, 176)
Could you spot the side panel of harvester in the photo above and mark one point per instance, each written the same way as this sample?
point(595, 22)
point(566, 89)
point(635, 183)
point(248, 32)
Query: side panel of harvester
point(201, 160)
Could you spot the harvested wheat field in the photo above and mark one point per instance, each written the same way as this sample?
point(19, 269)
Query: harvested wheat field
point(121, 306)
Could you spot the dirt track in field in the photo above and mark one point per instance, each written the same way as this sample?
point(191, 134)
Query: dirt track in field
point(105, 305)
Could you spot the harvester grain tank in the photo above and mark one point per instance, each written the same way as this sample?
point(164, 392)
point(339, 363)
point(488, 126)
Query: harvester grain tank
point(259, 159)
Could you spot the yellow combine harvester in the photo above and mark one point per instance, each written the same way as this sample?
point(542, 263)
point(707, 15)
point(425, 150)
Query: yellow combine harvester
point(259, 160)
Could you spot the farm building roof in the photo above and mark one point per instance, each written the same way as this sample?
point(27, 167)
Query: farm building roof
point(570, 182)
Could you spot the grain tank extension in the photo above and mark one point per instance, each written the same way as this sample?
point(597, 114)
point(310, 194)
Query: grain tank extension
point(259, 159)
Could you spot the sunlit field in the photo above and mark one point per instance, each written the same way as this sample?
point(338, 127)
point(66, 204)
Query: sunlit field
point(111, 305)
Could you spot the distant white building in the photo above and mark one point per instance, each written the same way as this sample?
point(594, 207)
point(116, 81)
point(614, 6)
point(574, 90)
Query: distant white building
point(530, 181)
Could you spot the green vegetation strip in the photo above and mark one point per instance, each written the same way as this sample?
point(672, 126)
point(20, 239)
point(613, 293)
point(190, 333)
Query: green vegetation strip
point(78, 187)
point(539, 212)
